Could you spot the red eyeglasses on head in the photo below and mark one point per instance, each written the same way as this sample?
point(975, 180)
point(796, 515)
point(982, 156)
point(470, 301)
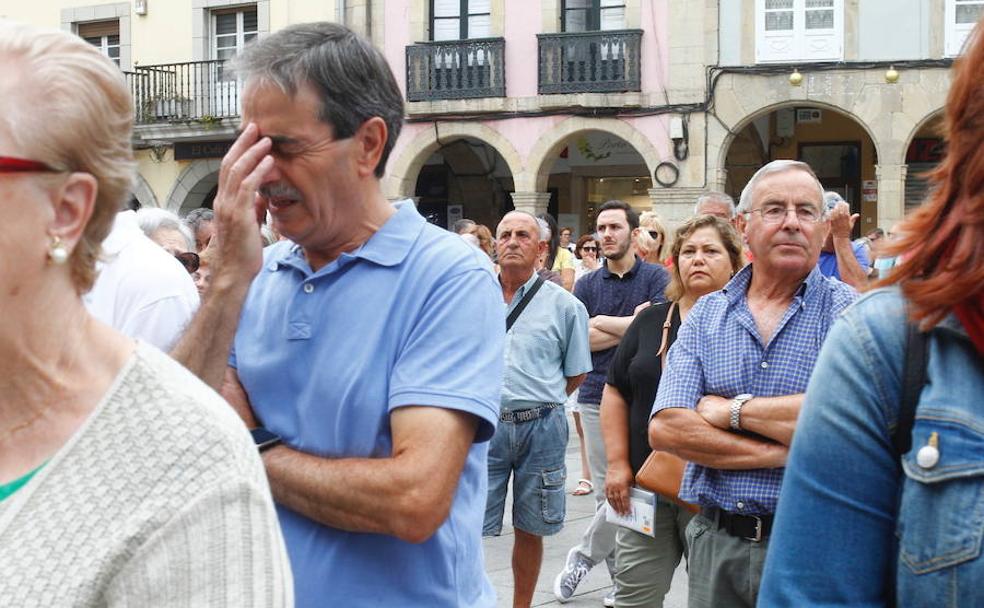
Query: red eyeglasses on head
point(9, 164)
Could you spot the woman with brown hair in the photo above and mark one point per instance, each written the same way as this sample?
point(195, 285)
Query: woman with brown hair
point(883, 497)
point(706, 253)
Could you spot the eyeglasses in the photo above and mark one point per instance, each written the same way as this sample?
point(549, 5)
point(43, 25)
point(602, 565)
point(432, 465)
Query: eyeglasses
point(774, 214)
point(10, 164)
point(589, 249)
point(190, 260)
point(655, 235)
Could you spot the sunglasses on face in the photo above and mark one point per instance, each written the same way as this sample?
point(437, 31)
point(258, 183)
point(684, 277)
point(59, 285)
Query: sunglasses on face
point(190, 260)
point(10, 164)
point(589, 249)
point(655, 235)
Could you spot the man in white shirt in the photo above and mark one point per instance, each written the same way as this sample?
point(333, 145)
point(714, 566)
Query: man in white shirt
point(141, 290)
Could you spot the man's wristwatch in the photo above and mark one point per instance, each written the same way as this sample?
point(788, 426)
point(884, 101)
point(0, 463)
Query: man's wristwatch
point(264, 439)
point(736, 404)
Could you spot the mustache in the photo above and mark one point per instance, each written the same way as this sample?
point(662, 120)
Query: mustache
point(279, 190)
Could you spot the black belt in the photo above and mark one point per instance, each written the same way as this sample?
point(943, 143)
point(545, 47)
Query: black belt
point(528, 414)
point(750, 527)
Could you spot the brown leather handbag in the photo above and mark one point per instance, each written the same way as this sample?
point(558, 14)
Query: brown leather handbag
point(662, 472)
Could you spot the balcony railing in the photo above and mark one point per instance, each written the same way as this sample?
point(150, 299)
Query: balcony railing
point(201, 91)
point(590, 62)
point(456, 69)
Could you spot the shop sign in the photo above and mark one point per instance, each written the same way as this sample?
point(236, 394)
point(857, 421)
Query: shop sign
point(194, 150)
point(869, 191)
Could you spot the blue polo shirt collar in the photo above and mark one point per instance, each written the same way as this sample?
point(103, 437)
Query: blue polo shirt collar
point(389, 246)
point(607, 274)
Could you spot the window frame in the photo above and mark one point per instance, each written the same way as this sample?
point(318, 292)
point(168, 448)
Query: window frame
point(464, 15)
point(955, 34)
point(103, 39)
point(241, 33)
point(594, 15)
point(799, 36)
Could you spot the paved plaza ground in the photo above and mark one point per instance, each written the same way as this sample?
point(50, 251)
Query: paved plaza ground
point(580, 509)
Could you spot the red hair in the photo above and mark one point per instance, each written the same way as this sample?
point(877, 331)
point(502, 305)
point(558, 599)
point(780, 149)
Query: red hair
point(943, 240)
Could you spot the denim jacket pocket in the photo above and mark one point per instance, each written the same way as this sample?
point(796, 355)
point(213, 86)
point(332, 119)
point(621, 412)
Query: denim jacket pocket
point(941, 515)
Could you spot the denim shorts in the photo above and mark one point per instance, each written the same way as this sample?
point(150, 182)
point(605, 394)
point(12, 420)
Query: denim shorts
point(533, 453)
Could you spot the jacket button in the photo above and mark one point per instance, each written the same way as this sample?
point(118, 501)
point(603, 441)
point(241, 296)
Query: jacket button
point(929, 454)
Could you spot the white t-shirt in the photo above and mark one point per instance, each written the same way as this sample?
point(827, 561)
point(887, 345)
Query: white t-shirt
point(142, 290)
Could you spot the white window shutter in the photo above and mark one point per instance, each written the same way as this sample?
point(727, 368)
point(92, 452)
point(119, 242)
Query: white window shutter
point(960, 17)
point(775, 38)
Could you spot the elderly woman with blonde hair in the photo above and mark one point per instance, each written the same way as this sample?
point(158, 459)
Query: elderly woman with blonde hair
point(124, 481)
point(651, 242)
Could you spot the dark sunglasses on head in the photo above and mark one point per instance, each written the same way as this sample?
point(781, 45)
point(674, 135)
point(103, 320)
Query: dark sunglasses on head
point(190, 260)
point(10, 164)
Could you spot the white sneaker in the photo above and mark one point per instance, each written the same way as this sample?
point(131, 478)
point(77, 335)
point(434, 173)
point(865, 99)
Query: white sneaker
point(576, 568)
point(609, 600)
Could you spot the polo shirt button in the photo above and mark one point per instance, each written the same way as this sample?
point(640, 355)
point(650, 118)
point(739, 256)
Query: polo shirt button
point(308, 288)
point(740, 504)
point(765, 364)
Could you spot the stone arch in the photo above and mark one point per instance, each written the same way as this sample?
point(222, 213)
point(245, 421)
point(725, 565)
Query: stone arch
point(193, 184)
point(143, 192)
point(741, 122)
point(918, 126)
point(548, 147)
point(401, 179)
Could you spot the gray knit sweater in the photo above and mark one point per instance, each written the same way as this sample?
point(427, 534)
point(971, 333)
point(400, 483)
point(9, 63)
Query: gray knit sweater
point(159, 499)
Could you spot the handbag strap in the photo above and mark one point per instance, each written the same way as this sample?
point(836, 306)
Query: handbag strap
point(664, 345)
point(913, 380)
point(511, 319)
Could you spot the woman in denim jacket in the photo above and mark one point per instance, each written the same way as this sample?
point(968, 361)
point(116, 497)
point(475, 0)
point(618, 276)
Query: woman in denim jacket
point(854, 526)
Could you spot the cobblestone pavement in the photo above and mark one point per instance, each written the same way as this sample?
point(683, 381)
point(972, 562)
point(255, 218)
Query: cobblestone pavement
point(498, 552)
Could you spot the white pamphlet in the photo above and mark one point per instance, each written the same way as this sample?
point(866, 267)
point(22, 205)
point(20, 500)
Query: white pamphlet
point(642, 511)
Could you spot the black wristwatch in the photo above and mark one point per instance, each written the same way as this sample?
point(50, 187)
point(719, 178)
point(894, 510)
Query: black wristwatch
point(265, 439)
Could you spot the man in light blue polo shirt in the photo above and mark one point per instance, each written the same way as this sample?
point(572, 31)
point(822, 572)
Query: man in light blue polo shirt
point(369, 345)
point(547, 356)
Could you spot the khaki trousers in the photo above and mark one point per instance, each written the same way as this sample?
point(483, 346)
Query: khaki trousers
point(724, 571)
point(644, 565)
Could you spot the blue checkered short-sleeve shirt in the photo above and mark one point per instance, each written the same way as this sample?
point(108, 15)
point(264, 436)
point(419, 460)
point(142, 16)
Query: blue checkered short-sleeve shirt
point(718, 351)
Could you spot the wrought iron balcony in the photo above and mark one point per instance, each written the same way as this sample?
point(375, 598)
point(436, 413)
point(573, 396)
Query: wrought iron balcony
point(456, 69)
point(203, 91)
point(590, 62)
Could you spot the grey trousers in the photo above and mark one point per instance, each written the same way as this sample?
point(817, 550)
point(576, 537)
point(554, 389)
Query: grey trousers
point(598, 541)
point(724, 571)
point(644, 565)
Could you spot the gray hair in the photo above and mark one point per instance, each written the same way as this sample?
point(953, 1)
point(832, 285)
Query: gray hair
point(350, 75)
point(719, 197)
point(830, 200)
point(152, 219)
point(772, 168)
point(545, 233)
point(197, 217)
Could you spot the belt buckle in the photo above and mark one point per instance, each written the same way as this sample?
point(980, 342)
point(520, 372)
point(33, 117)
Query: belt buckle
point(758, 530)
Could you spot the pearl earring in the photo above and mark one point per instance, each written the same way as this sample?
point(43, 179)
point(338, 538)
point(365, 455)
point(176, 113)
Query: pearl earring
point(57, 253)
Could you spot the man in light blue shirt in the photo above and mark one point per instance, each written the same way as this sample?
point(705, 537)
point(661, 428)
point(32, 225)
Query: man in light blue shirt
point(369, 344)
point(547, 356)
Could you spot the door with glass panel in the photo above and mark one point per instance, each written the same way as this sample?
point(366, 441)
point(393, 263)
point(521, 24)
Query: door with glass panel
point(231, 30)
point(589, 58)
point(454, 65)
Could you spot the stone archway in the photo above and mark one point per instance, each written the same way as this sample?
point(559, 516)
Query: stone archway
point(193, 185)
point(143, 193)
point(549, 145)
point(401, 178)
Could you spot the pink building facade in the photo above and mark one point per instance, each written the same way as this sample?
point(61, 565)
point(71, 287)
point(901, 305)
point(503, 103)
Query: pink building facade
point(531, 116)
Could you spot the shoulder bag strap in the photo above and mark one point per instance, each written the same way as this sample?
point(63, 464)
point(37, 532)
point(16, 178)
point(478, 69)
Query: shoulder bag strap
point(665, 342)
point(913, 380)
point(522, 303)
